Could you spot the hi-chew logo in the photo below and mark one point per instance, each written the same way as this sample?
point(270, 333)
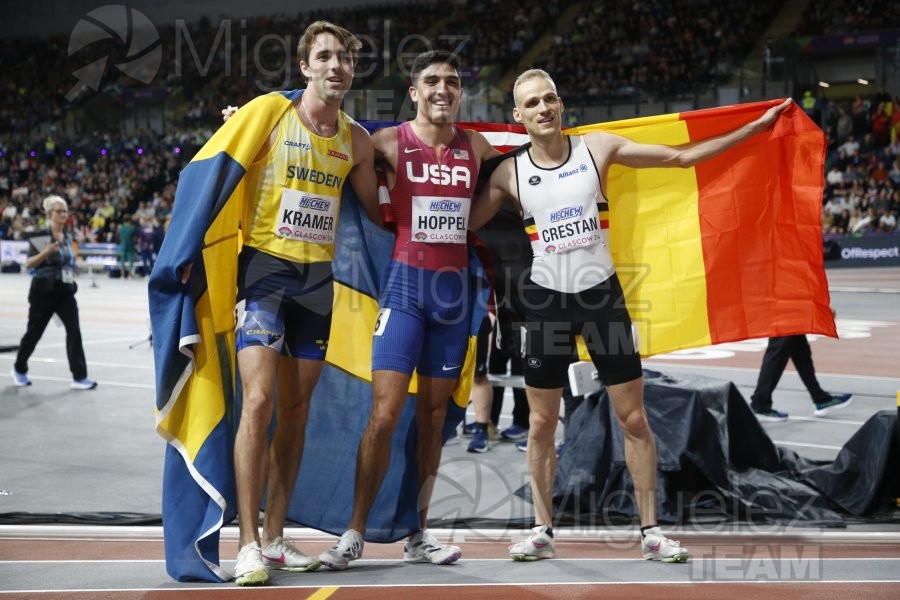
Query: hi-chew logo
point(310, 203)
point(445, 206)
point(132, 46)
point(569, 212)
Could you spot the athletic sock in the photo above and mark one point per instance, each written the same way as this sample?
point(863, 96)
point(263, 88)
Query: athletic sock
point(644, 530)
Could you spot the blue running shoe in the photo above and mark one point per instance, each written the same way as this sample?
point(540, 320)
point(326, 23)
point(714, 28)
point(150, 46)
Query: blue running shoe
point(479, 441)
point(83, 384)
point(514, 433)
point(771, 415)
point(21, 379)
point(836, 402)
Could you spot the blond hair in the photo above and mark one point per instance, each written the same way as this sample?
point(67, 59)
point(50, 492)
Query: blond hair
point(530, 74)
point(51, 201)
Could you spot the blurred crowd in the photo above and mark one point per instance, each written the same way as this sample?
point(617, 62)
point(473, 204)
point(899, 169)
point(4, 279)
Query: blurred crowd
point(597, 51)
point(862, 180)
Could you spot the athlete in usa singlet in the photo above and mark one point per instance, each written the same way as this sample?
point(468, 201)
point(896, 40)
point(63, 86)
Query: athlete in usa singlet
point(425, 290)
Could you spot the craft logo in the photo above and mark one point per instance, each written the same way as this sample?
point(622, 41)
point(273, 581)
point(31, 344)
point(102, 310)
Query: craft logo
point(132, 45)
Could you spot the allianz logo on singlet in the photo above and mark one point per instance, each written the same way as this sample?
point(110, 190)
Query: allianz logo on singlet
point(439, 174)
point(314, 204)
point(581, 168)
point(569, 212)
point(445, 206)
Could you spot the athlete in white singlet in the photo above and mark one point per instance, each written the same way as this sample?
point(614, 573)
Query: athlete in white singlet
point(558, 184)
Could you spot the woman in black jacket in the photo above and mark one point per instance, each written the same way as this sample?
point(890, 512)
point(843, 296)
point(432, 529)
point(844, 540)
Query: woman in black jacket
point(51, 254)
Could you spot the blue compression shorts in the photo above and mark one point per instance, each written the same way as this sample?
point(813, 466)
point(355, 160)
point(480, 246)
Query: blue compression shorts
point(283, 305)
point(423, 321)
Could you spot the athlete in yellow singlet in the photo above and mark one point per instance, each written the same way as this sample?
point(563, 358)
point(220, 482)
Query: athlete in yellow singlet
point(285, 287)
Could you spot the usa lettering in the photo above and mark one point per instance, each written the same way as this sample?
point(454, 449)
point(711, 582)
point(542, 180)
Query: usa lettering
point(439, 174)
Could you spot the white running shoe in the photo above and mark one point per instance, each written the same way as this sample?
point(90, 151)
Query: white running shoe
point(249, 569)
point(348, 548)
point(656, 546)
point(536, 546)
point(83, 384)
point(21, 379)
point(282, 554)
point(423, 547)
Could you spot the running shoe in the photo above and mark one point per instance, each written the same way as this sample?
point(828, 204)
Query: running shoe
point(468, 429)
point(249, 569)
point(282, 554)
point(21, 379)
point(479, 441)
point(423, 547)
point(536, 546)
point(514, 433)
point(835, 403)
point(771, 415)
point(83, 384)
point(656, 546)
point(348, 548)
point(522, 446)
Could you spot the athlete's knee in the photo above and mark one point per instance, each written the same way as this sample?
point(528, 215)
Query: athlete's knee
point(634, 423)
point(257, 405)
point(383, 421)
point(542, 425)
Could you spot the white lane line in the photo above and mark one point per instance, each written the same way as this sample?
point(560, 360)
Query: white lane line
point(803, 445)
point(187, 588)
point(103, 382)
point(662, 366)
point(93, 363)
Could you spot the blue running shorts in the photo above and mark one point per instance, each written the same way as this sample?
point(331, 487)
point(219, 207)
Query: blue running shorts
point(283, 305)
point(423, 321)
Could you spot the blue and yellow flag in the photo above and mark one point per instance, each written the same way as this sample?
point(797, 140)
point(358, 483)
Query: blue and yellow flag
point(198, 401)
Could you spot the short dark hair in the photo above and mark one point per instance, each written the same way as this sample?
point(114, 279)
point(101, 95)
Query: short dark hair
point(426, 59)
point(350, 42)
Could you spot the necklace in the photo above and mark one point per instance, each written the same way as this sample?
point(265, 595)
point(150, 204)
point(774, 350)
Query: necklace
point(309, 118)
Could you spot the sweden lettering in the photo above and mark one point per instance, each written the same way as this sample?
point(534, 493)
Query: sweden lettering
point(439, 174)
point(569, 229)
point(314, 176)
point(299, 219)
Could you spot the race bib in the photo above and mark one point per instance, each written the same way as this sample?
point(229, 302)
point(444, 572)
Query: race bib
point(565, 229)
point(68, 276)
point(440, 220)
point(307, 217)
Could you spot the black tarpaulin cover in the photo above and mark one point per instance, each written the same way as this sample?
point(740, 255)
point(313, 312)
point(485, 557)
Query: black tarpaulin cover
point(715, 460)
